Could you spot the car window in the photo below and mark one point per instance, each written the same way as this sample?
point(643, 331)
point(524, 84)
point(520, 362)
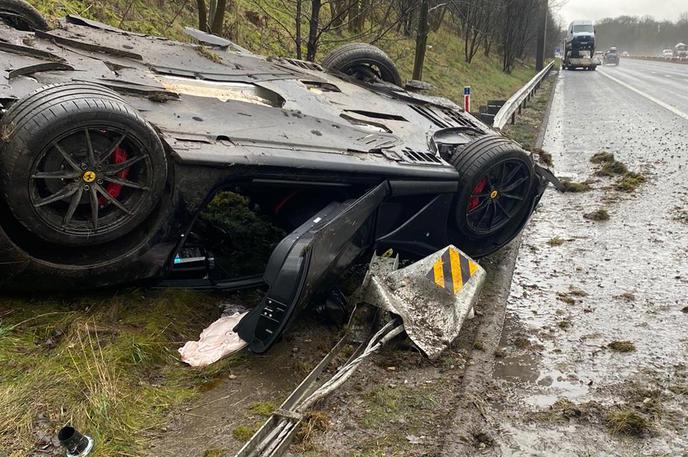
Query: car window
point(587, 28)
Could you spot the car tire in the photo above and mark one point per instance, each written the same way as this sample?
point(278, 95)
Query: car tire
point(496, 194)
point(363, 61)
point(78, 166)
point(22, 16)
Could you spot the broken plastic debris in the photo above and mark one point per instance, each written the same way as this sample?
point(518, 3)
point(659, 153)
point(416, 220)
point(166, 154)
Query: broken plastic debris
point(216, 342)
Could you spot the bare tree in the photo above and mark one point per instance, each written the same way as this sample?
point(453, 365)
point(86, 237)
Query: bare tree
point(211, 19)
point(421, 40)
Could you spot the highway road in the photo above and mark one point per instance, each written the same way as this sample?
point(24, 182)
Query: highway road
point(581, 285)
point(663, 82)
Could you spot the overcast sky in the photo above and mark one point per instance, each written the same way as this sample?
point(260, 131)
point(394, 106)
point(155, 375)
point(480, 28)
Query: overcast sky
point(598, 9)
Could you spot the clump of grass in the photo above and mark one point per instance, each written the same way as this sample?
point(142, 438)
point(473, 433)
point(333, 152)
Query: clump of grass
point(522, 342)
point(314, 422)
point(614, 168)
point(208, 54)
point(544, 156)
point(244, 432)
point(565, 324)
point(482, 440)
point(680, 215)
point(556, 241)
point(622, 346)
point(602, 157)
point(387, 404)
point(627, 421)
point(574, 186)
point(576, 292)
point(478, 345)
point(599, 215)
point(627, 296)
point(630, 182)
point(215, 452)
point(566, 298)
point(264, 409)
point(566, 408)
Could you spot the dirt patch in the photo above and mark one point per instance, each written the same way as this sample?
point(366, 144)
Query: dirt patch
point(544, 156)
point(556, 241)
point(614, 168)
point(575, 186)
point(602, 157)
point(621, 346)
point(630, 182)
point(599, 215)
point(234, 407)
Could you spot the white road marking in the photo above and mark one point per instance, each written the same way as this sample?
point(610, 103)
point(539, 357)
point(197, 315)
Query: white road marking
point(674, 110)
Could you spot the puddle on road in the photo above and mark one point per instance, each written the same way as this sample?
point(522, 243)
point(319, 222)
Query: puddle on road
point(625, 279)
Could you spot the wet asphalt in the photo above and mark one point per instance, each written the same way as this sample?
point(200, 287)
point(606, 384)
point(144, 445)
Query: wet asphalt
point(625, 279)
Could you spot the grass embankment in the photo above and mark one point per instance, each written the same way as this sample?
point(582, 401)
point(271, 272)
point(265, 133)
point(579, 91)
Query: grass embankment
point(108, 364)
point(445, 67)
point(529, 122)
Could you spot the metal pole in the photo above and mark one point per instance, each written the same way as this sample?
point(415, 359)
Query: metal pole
point(542, 38)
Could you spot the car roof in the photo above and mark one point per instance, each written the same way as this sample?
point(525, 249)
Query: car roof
point(582, 22)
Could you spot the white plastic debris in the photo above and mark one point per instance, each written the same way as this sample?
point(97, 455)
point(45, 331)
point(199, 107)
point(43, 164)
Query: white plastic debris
point(217, 341)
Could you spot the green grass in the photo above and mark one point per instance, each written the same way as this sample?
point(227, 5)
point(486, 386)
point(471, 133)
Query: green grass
point(107, 365)
point(385, 405)
point(445, 67)
point(529, 121)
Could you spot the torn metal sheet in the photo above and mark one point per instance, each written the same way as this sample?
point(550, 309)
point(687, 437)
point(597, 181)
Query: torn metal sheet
point(433, 296)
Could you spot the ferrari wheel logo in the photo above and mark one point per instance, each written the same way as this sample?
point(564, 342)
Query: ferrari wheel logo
point(89, 176)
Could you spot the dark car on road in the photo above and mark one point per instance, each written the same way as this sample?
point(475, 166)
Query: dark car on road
point(112, 143)
point(611, 57)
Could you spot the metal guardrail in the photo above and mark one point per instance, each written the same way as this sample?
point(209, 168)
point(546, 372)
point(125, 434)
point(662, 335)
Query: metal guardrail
point(519, 100)
point(659, 59)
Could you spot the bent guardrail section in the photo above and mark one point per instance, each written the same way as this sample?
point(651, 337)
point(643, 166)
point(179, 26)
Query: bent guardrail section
point(519, 100)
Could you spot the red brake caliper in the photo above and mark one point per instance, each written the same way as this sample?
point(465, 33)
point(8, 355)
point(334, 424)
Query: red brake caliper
point(118, 156)
point(475, 201)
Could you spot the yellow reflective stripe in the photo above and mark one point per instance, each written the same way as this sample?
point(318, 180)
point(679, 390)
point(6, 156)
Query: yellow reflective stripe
point(473, 267)
point(438, 270)
point(455, 262)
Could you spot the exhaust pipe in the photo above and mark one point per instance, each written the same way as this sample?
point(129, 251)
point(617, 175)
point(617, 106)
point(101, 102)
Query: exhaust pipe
point(76, 444)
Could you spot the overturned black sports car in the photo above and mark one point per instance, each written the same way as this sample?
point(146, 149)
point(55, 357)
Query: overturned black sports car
point(112, 143)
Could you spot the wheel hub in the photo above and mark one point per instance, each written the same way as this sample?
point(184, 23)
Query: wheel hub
point(86, 182)
point(89, 176)
point(498, 196)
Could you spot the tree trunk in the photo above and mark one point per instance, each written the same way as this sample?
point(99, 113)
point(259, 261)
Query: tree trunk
point(421, 41)
point(298, 38)
point(313, 30)
point(202, 15)
point(339, 12)
point(218, 17)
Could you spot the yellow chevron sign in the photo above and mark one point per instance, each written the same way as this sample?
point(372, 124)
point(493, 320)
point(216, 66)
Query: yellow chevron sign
point(452, 270)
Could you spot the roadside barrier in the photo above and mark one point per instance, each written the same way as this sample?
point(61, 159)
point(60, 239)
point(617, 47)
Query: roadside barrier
point(520, 99)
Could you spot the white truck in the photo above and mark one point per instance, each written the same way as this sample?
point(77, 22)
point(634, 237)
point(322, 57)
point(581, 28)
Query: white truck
point(579, 46)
